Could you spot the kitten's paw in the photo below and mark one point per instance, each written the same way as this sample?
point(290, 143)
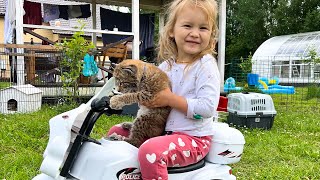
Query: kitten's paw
point(116, 137)
point(126, 125)
point(116, 103)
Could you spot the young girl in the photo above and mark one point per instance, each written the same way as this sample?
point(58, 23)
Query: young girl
point(186, 45)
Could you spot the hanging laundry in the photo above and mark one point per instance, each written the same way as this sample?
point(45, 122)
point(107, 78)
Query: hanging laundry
point(50, 12)
point(90, 67)
point(85, 11)
point(33, 13)
point(123, 21)
point(2, 64)
point(63, 9)
point(9, 21)
point(74, 11)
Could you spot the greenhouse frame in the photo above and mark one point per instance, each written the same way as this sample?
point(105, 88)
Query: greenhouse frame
point(286, 57)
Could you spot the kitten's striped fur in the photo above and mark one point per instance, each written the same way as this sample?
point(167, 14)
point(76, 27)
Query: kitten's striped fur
point(140, 82)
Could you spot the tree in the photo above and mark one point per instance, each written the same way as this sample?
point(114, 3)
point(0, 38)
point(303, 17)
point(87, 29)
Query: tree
point(246, 27)
point(313, 60)
point(296, 16)
point(312, 21)
point(251, 22)
point(71, 65)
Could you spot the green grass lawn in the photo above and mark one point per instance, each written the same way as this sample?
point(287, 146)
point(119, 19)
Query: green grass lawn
point(4, 85)
point(290, 150)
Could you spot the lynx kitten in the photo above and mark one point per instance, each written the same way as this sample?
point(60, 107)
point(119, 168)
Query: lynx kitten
point(140, 82)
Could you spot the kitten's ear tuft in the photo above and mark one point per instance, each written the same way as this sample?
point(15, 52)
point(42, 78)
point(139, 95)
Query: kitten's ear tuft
point(131, 69)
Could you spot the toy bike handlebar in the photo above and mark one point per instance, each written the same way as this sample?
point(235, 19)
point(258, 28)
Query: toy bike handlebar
point(98, 105)
point(102, 105)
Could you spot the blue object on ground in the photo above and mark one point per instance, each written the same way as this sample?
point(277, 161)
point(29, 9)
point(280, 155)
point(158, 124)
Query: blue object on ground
point(271, 86)
point(252, 79)
point(278, 89)
point(230, 85)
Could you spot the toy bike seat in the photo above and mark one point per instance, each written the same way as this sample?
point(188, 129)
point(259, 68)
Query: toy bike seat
point(191, 167)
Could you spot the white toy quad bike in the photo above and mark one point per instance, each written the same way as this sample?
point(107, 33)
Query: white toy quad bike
point(72, 154)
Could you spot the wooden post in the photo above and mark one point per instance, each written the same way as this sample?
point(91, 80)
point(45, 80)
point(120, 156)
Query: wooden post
point(222, 40)
point(161, 21)
point(31, 67)
point(135, 29)
point(94, 21)
point(19, 40)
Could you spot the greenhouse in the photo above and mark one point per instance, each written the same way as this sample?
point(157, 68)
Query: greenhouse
point(288, 58)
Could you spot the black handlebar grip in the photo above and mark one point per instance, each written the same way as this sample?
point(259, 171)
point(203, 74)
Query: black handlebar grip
point(99, 105)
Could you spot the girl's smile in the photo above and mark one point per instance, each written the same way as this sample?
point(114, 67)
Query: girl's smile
point(192, 42)
point(191, 32)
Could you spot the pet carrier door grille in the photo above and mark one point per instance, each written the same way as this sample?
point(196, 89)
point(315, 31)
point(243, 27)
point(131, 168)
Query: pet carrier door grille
point(258, 105)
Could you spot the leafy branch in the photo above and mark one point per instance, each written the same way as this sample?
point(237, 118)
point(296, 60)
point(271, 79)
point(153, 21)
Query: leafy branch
point(74, 50)
point(246, 64)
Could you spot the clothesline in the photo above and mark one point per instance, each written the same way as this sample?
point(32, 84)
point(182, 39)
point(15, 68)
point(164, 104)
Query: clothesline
point(58, 2)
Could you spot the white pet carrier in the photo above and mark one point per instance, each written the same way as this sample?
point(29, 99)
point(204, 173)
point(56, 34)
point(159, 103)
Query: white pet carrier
point(253, 110)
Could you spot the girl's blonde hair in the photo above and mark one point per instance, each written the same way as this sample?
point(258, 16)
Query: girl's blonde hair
point(167, 46)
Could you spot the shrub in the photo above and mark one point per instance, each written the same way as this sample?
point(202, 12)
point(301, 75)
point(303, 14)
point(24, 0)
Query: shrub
point(71, 65)
point(313, 92)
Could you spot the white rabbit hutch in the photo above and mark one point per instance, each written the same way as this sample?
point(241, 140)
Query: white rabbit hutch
point(285, 57)
point(20, 99)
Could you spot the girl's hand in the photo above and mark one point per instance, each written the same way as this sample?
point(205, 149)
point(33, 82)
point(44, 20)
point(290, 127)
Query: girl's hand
point(161, 99)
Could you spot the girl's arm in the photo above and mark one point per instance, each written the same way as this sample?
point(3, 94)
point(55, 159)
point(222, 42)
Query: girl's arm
point(167, 98)
point(207, 95)
point(207, 90)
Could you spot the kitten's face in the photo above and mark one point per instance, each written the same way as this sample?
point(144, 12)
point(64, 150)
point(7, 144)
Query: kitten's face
point(126, 78)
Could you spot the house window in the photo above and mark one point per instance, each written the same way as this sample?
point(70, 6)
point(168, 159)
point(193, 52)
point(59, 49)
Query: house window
point(284, 71)
point(12, 105)
point(276, 68)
